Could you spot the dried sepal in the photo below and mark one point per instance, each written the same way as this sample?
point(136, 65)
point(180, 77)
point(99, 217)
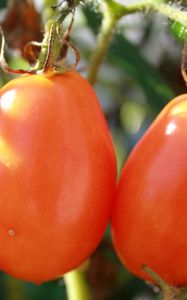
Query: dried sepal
point(3, 62)
point(76, 55)
point(31, 52)
point(66, 44)
point(21, 24)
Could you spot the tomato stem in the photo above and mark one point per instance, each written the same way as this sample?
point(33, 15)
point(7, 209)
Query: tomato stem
point(170, 11)
point(168, 291)
point(175, 294)
point(113, 11)
point(48, 12)
point(76, 286)
point(56, 41)
point(104, 38)
point(14, 288)
point(56, 38)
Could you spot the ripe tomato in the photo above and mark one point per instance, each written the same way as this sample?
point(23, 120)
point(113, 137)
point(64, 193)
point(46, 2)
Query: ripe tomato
point(57, 175)
point(149, 220)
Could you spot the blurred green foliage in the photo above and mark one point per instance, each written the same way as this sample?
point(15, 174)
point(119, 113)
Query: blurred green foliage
point(140, 74)
point(3, 3)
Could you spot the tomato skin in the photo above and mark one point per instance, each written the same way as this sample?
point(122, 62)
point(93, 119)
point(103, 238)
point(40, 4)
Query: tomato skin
point(57, 175)
point(149, 222)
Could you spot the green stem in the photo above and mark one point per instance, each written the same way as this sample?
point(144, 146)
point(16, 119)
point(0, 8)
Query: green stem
point(172, 12)
point(172, 293)
point(168, 291)
point(50, 46)
point(65, 12)
point(113, 11)
point(14, 289)
point(44, 47)
point(76, 286)
point(167, 10)
point(104, 38)
point(47, 11)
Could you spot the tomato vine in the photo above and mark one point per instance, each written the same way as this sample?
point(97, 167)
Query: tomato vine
point(50, 51)
point(113, 12)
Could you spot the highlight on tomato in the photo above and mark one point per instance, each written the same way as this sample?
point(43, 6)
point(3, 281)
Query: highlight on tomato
point(149, 221)
point(57, 175)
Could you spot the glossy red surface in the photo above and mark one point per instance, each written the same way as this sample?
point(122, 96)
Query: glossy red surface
point(57, 175)
point(149, 220)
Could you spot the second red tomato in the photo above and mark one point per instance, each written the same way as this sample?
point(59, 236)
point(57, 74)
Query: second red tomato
point(150, 214)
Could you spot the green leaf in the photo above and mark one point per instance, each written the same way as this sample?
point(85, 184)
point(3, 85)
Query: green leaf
point(93, 18)
point(3, 3)
point(126, 56)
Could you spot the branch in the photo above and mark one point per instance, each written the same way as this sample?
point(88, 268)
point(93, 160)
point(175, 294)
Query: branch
point(113, 11)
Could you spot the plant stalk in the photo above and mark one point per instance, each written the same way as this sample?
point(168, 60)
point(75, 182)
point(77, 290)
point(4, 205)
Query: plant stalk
point(113, 11)
point(168, 292)
point(107, 27)
point(168, 10)
point(50, 46)
point(76, 286)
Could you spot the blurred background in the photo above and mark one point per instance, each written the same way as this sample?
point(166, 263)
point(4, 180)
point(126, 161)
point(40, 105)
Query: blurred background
point(140, 74)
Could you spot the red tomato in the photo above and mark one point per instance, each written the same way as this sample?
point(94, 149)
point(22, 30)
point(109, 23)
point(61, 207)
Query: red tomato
point(57, 175)
point(150, 214)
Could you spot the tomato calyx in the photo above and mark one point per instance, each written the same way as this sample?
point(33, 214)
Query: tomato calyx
point(168, 291)
point(50, 55)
